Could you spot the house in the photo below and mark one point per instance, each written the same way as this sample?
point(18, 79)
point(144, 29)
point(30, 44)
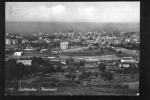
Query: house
point(127, 60)
point(43, 50)
point(17, 53)
point(133, 85)
point(29, 50)
point(64, 45)
point(7, 41)
point(25, 62)
point(14, 41)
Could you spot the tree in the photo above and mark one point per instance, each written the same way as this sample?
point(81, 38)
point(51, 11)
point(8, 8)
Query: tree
point(38, 64)
point(35, 68)
point(48, 69)
point(71, 76)
point(96, 74)
point(15, 71)
point(11, 61)
point(38, 60)
point(107, 75)
point(102, 67)
point(21, 70)
point(9, 71)
point(59, 69)
point(131, 70)
point(101, 50)
point(84, 75)
point(82, 63)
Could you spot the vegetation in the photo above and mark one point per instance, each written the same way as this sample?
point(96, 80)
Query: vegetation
point(131, 70)
point(53, 75)
point(17, 71)
point(102, 67)
point(107, 75)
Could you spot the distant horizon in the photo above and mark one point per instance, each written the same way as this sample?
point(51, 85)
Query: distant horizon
point(53, 27)
point(66, 22)
point(81, 16)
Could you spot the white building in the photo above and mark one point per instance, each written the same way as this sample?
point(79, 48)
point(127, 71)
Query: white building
point(7, 41)
point(128, 40)
point(17, 53)
point(14, 41)
point(24, 41)
point(64, 45)
point(25, 62)
point(128, 60)
point(43, 50)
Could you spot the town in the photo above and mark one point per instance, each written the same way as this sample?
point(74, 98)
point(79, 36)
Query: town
point(74, 63)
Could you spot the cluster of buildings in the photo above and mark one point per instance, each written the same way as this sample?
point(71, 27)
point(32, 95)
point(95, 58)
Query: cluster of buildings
point(63, 45)
point(65, 42)
point(65, 39)
point(13, 41)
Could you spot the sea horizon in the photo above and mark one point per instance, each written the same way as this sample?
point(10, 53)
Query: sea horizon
point(30, 26)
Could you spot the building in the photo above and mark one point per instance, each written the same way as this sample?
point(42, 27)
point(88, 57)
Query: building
point(127, 40)
point(25, 62)
point(126, 62)
point(24, 41)
point(64, 45)
point(17, 53)
point(132, 85)
point(14, 41)
point(7, 41)
point(43, 50)
point(29, 50)
point(8, 47)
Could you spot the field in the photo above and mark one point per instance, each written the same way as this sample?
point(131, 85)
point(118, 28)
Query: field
point(93, 85)
point(85, 53)
point(96, 52)
point(60, 85)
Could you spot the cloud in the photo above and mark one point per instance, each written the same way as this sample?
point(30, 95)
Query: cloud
point(66, 12)
point(58, 9)
point(86, 13)
point(39, 13)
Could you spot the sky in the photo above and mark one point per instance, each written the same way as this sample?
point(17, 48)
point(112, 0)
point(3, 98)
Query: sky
point(73, 11)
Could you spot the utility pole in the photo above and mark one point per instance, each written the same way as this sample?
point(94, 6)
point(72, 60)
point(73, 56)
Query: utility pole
point(59, 52)
point(20, 84)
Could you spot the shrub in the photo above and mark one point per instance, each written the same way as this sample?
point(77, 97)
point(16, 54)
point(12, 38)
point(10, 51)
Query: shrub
point(102, 67)
point(107, 75)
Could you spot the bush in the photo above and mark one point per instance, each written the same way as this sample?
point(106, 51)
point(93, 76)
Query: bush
point(102, 67)
point(107, 75)
point(48, 84)
point(15, 71)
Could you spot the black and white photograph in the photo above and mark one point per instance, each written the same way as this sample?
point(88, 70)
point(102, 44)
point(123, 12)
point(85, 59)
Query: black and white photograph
point(72, 48)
